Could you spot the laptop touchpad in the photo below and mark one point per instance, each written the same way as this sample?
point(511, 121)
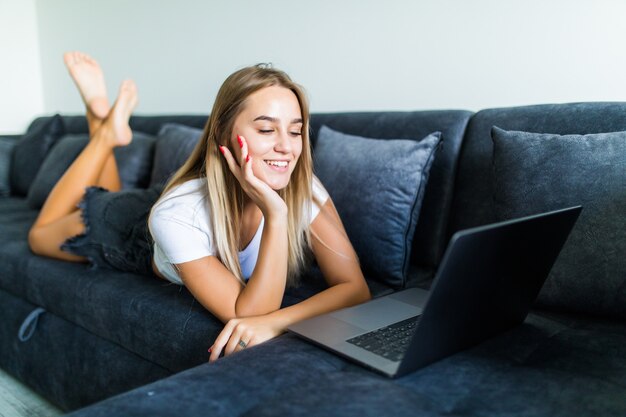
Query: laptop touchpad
point(377, 313)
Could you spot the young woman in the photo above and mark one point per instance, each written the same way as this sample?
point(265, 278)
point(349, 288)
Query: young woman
point(235, 224)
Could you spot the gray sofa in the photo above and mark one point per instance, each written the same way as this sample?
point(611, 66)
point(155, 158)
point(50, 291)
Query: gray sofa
point(102, 342)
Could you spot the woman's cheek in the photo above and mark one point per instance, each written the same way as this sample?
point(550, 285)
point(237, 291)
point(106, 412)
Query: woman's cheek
point(257, 168)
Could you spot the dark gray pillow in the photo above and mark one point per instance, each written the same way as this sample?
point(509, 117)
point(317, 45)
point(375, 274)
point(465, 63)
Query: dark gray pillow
point(174, 145)
point(30, 152)
point(540, 172)
point(133, 163)
point(6, 150)
point(377, 186)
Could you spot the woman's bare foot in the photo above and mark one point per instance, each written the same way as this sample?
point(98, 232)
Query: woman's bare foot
point(116, 127)
point(89, 79)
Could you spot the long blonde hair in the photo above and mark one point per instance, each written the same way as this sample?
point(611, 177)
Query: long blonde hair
point(225, 196)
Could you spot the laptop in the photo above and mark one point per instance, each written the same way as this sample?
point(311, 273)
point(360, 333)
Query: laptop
point(486, 283)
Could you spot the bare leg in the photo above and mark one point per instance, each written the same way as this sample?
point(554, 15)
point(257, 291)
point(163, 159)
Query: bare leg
point(88, 77)
point(59, 218)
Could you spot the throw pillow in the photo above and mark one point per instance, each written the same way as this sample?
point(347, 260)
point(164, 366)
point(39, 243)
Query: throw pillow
point(133, 163)
point(116, 235)
point(540, 172)
point(31, 150)
point(377, 186)
point(6, 150)
point(174, 144)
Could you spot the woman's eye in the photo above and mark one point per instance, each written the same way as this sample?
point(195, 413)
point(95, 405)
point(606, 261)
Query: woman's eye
point(296, 133)
point(265, 131)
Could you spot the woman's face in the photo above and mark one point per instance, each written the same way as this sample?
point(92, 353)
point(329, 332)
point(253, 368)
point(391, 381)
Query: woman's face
point(271, 123)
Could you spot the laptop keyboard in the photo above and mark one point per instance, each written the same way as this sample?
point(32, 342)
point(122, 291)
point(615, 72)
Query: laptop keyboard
point(390, 342)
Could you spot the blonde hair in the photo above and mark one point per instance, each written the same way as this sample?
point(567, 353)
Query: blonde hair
point(225, 197)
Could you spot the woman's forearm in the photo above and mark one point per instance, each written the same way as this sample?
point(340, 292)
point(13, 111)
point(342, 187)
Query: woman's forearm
point(264, 291)
point(333, 298)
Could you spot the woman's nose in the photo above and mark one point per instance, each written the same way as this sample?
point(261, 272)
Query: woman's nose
point(283, 142)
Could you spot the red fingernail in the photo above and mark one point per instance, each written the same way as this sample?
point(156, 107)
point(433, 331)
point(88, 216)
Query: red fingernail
point(240, 141)
point(222, 150)
point(248, 158)
point(210, 350)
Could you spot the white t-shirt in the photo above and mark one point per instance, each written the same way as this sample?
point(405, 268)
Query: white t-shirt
point(182, 231)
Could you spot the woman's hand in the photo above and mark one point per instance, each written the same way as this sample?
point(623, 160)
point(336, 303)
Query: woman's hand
point(239, 334)
point(268, 200)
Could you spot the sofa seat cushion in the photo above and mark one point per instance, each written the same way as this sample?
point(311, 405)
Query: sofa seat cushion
point(552, 365)
point(228, 387)
point(155, 319)
point(542, 368)
point(150, 317)
point(65, 363)
point(16, 216)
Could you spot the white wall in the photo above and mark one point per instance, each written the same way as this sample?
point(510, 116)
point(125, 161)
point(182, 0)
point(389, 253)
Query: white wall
point(349, 55)
point(21, 93)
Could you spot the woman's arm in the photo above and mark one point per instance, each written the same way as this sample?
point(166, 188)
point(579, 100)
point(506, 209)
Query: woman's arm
point(266, 286)
point(339, 265)
point(220, 292)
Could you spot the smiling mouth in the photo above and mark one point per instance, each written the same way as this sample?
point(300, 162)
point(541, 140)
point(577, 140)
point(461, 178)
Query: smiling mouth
point(277, 165)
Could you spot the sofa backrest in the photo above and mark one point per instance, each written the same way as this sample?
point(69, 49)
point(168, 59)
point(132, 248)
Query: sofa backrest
point(431, 232)
point(146, 124)
point(473, 197)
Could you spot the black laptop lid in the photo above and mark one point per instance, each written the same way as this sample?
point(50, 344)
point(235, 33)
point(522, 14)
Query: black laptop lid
point(514, 259)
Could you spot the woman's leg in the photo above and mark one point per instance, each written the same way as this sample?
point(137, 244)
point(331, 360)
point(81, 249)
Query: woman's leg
point(89, 78)
point(59, 218)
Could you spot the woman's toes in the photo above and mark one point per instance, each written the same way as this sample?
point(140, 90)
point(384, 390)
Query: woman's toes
point(88, 77)
point(128, 95)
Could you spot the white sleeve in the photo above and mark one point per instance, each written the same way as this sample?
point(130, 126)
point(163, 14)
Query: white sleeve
point(181, 233)
point(319, 195)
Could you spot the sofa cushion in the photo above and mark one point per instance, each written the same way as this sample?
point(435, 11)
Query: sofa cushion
point(48, 362)
point(15, 220)
point(30, 152)
point(546, 367)
point(134, 311)
point(377, 187)
point(539, 172)
point(137, 312)
point(6, 150)
point(473, 191)
point(173, 146)
point(431, 233)
point(133, 163)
